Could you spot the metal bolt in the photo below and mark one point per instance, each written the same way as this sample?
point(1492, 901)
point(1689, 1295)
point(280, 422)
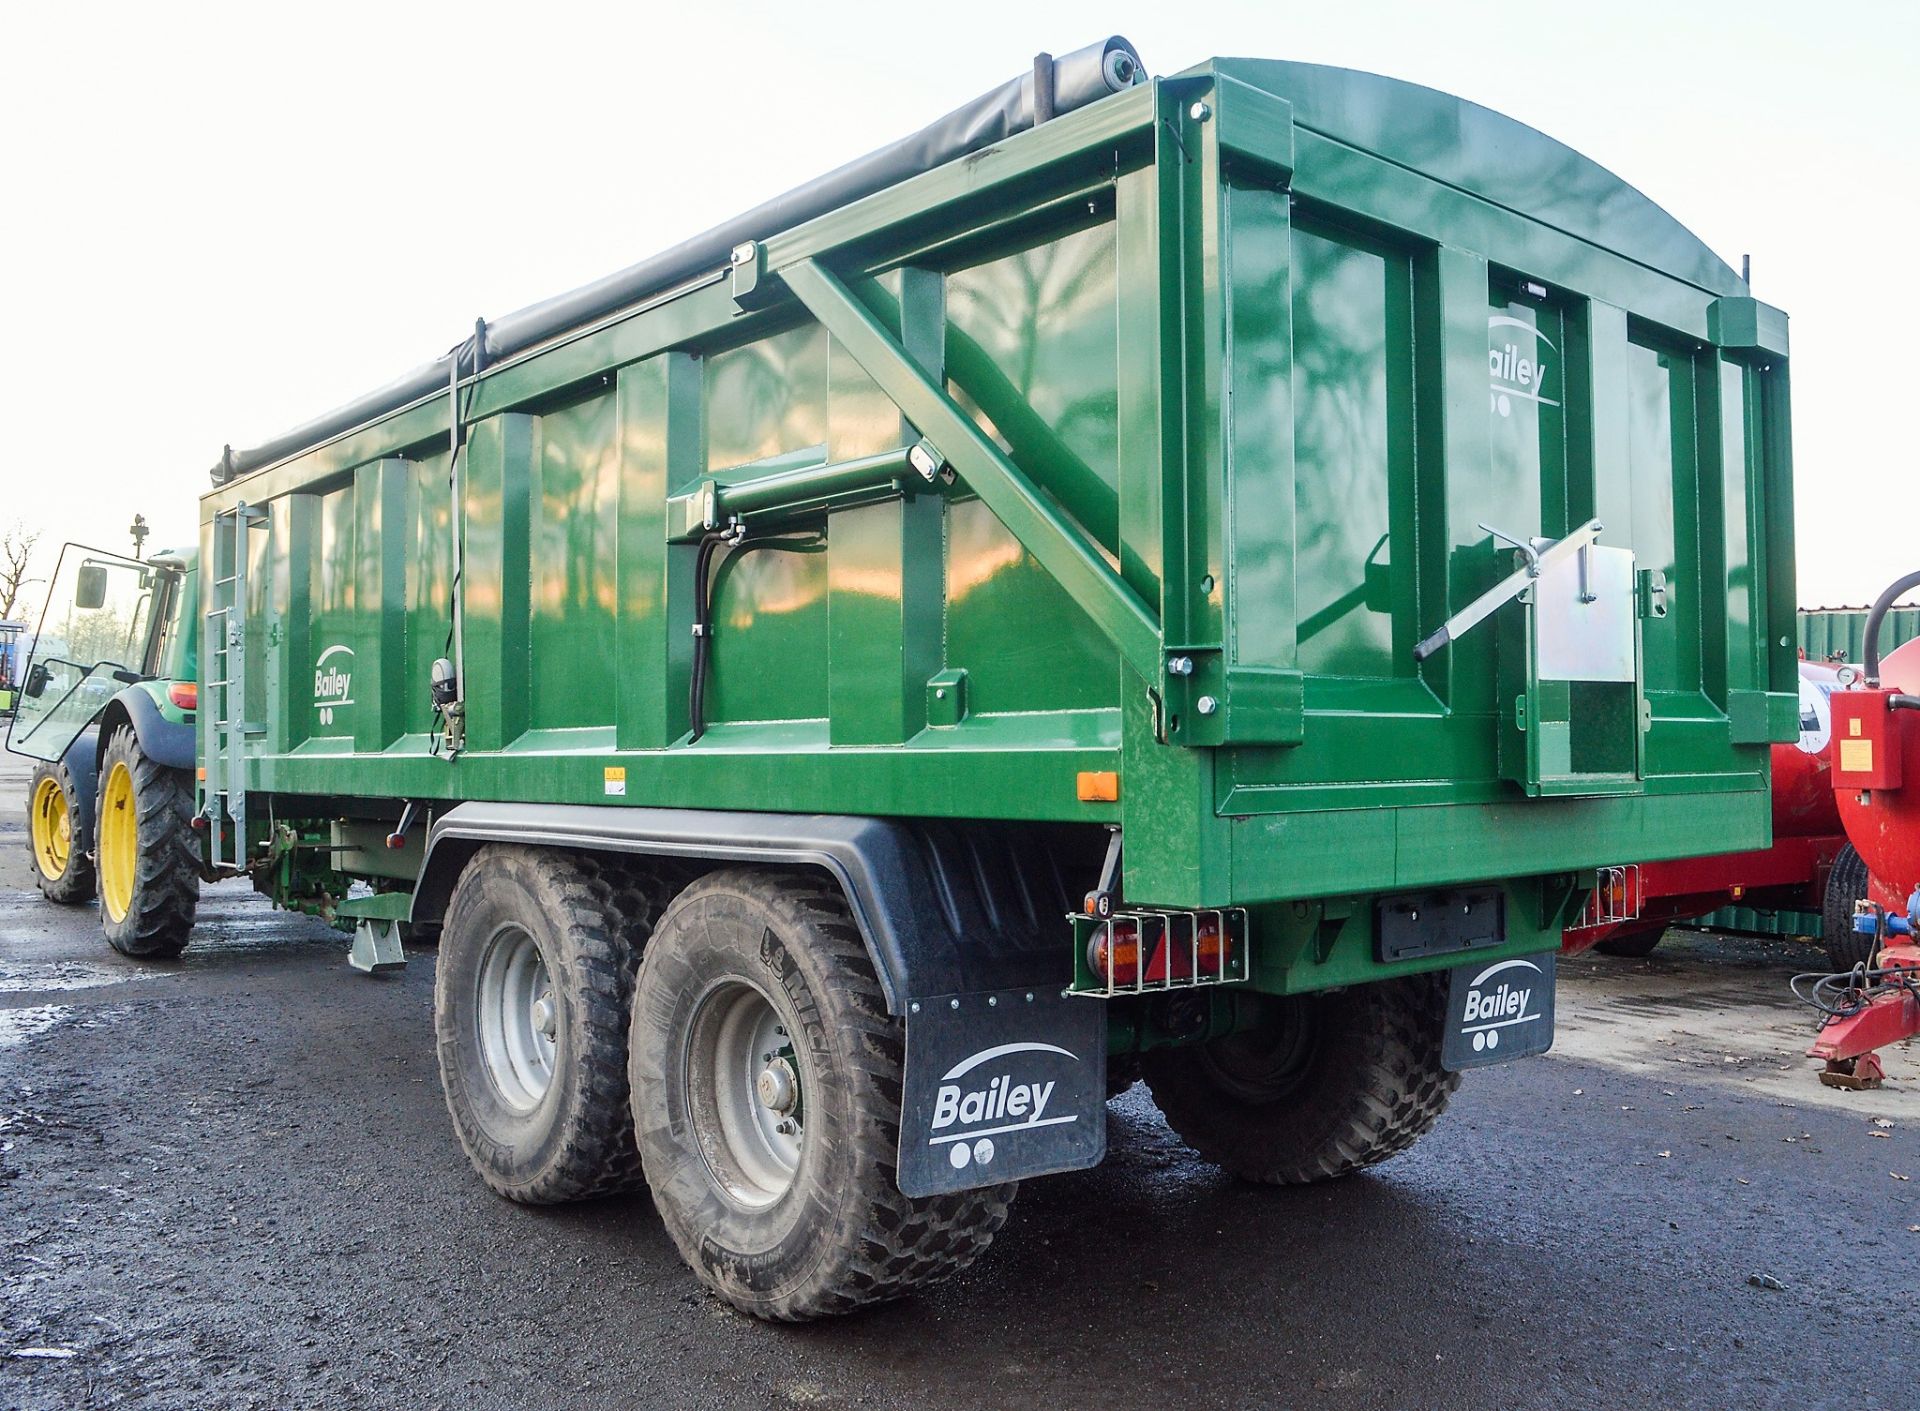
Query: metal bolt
point(953, 1004)
point(1179, 666)
point(915, 1006)
point(993, 1001)
point(1199, 112)
point(1206, 705)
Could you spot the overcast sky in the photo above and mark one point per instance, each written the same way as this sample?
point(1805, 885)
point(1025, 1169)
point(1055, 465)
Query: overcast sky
point(222, 220)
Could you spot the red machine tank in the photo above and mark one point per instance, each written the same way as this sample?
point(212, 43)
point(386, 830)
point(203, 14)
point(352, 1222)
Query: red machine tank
point(1877, 783)
point(1633, 906)
point(1803, 801)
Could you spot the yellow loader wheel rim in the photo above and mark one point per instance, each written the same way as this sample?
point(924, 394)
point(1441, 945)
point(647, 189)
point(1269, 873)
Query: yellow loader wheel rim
point(52, 830)
point(119, 839)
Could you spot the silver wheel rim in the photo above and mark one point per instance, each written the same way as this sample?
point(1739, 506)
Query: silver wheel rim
point(519, 1018)
point(744, 1092)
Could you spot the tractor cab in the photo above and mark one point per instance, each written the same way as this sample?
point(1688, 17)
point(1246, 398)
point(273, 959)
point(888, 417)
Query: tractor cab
point(110, 623)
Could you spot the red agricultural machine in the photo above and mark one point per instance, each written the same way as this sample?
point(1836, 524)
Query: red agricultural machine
point(1876, 782)
point(1809, 868)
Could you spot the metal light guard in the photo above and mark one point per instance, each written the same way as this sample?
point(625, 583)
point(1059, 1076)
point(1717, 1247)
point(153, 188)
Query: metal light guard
point(1151, 926)
point(1616, 897)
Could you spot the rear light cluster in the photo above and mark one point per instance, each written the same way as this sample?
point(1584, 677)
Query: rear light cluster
point(1615, 898)
point(1136, 951)
point(185, 694)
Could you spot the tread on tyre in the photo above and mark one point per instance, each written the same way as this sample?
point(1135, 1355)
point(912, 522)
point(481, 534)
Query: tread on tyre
point(1329, 1084)
point(804, 1222)
point(147, 858)
point(531, 995)
point(62, 867)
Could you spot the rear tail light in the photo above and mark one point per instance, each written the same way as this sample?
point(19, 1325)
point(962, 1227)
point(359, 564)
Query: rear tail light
point(1174, 952)
point(1114, 953)
point(185, 694)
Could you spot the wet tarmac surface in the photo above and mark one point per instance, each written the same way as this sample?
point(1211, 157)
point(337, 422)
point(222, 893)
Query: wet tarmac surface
point(230, 1181)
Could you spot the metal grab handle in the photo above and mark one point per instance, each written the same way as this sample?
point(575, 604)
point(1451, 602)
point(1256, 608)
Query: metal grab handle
point(1515, 583)
point(1523, 545)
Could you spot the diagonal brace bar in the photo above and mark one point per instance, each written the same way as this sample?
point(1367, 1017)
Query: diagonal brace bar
point(1060, 547)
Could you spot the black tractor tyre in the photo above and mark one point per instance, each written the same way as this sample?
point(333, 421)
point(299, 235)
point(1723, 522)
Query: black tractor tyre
point(62, 858)
point(146, 854)
point(1636, 946)
point(1328, 1084)
point(769, 963)
point(1846, 884)
point(530, 1007)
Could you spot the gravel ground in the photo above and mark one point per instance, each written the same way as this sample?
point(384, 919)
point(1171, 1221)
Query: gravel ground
point(230, 1181)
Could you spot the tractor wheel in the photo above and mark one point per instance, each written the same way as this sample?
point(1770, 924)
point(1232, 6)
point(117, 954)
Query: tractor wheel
point(1846, 884)
point(61, 866)
point(1326, 1085)
point(1636, 945)
point(766, 1077)
point(147, 856)
point(530, 1002)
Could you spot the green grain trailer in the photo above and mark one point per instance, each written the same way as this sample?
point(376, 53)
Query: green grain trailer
point(1186, 576)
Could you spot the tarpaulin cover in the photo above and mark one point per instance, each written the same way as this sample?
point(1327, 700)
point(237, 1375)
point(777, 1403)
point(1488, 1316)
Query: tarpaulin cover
point(1079, 78)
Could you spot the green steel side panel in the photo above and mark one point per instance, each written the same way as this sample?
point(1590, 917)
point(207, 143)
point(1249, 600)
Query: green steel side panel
point(1222, 377)
point(1483, 153)
point(1839, 634)
point(1749, 920)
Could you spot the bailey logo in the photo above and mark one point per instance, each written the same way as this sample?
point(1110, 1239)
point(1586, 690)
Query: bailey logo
point(1491, 1007)
point(969, 1113)
point(333, 681)
point(1517, 354)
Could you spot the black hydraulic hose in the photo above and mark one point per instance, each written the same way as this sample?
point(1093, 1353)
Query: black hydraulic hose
point(1881, 605)
point(703, 610)
point(702, 636)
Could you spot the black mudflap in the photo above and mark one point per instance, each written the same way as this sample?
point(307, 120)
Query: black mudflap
point(1001, 1086)
point(1498, 1010)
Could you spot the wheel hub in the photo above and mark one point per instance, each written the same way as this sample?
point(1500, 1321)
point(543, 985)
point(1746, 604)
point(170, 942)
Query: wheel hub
point(777, 1086)
point(746, 1093)
point(518, 1018)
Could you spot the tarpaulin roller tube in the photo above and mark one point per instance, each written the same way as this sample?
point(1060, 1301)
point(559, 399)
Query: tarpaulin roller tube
point(1079, 78)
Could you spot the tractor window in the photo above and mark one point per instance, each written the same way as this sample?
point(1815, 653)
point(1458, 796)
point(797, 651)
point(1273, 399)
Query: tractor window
point(92, 641)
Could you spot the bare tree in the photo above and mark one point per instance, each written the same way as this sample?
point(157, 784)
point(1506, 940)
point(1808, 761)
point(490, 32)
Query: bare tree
point(16, 555)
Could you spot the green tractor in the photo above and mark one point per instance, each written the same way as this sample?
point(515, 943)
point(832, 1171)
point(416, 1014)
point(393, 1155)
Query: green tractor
point(106, 705)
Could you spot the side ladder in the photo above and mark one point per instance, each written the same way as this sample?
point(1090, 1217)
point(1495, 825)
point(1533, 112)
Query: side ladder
point(224, 702)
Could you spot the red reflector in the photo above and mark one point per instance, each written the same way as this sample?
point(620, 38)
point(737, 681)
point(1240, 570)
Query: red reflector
point(185, 694)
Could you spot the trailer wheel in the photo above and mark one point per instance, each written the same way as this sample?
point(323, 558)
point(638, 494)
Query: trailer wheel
point(766, 1078)
point(145, 851)
point(1635, 945)
point(1846, 884)
point(1326, 1085)
point(530, 1001)
point(61, 867)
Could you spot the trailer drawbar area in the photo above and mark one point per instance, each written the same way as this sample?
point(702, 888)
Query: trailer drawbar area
point(1180, 576)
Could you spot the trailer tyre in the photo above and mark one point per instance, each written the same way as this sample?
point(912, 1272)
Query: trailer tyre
point(1846, 884)
point(146, 855)
point(766, 1079)
point(530, 1003)
point(1328, 1084)
point(62, 868)
point(1633, 946)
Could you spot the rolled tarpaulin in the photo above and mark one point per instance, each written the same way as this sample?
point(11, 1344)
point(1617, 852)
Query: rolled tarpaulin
point(1082, 77)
